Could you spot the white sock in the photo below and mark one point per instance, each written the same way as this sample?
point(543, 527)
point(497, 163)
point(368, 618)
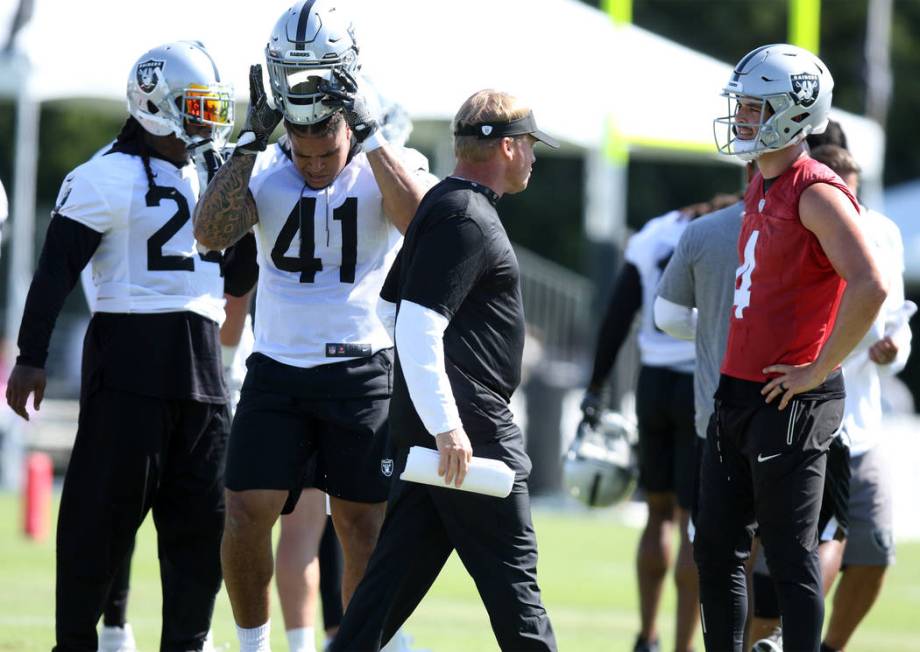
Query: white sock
point(254, 639)
point(302, 639)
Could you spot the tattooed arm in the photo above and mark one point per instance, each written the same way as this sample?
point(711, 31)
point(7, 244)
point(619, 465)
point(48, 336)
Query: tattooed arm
point(227, 210)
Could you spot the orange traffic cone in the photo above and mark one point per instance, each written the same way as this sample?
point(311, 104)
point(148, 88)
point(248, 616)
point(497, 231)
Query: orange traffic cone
point(37, 496)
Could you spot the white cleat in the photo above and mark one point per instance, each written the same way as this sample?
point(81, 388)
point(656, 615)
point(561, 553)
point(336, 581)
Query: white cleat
point(117, 639)
point(209, 643)
point(210, 647)
point(772, 643)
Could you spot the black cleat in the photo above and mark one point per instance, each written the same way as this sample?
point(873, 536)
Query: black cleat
point(646, 646)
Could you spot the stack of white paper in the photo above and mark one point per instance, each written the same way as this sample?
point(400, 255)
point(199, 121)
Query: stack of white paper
point(485, 476)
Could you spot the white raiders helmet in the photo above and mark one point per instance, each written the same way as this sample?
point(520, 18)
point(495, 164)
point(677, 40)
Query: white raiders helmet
point(309, 41)
point(792, 84)
point(177, 83)
point(599, 469)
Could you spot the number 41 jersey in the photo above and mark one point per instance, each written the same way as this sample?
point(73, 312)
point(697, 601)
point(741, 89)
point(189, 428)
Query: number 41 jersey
point(786, 290)
point(323, 257)
point(146, 261)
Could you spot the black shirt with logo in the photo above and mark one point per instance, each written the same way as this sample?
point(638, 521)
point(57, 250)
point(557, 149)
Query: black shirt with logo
point(457, 260)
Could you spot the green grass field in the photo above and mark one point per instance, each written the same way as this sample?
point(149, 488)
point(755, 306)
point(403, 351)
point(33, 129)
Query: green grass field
point(586, 573)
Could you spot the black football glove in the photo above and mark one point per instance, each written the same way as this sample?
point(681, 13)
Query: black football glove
point(261, 119)
point(592, 407)
point(353, 104)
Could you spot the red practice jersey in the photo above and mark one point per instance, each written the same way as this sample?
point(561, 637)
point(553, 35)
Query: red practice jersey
point(786, 290)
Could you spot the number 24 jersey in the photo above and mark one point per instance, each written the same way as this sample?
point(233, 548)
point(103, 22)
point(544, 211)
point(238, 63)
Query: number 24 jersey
point(323, 256)
point(147, 261)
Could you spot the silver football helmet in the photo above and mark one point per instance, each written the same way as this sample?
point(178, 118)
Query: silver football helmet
point(309, 41)
point(794, 88)
point(178, 83)
point(599, 469)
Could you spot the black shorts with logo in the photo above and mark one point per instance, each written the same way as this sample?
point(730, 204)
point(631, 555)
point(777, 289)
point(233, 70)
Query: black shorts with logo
point(668, 460)
point(322, 427)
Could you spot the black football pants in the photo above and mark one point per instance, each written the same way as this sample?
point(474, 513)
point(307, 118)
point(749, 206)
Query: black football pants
point(115, 613)
point(763, 467)
point(495, 540)
point(134, 454)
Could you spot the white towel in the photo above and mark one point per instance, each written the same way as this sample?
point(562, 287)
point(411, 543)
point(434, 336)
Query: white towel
point(485, 476)
point(900, 318)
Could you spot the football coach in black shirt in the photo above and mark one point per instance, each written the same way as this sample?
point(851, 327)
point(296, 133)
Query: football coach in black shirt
point(459, 339)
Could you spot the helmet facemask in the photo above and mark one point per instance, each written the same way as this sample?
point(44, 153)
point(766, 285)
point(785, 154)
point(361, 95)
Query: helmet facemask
point(206, 105)
point(779, 130)
point(299, 86)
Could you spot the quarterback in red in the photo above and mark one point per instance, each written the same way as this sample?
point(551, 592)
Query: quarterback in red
point(806, 291)
point(787, 291)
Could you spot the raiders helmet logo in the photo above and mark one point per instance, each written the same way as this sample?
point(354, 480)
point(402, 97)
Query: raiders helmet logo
point(805, 88)
point(148, 75)
point(386, 467)
point(486, 130)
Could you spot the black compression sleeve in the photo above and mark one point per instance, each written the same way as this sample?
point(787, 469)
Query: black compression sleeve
point(68, 247)
point(240, 267)
point(624, 303)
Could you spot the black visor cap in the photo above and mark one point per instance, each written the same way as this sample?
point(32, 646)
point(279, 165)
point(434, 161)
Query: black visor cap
point(520, 127)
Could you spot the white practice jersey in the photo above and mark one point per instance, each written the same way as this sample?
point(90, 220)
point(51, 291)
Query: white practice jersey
point(147, 261)
point(862, 419)
point(649, 251)
point(323, 257)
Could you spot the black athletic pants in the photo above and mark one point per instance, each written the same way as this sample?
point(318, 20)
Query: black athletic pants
point(762, 466)
point(134, 454)
point(835, 507)
point(115, 613)
point(330, 576)
point(495, 540)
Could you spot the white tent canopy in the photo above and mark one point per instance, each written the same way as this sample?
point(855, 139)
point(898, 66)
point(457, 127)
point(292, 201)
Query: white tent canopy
point(566, 59)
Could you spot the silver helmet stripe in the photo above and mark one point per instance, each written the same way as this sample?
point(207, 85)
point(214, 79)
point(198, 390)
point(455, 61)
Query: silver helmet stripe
point(739, 69)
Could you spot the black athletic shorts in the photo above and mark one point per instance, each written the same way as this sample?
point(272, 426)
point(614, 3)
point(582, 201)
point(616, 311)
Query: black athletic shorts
point(322, 427)
point(667, 436)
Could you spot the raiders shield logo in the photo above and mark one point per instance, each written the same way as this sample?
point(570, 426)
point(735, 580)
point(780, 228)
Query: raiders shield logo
point(386, 467)
point(148, 75)
point(805, 88)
